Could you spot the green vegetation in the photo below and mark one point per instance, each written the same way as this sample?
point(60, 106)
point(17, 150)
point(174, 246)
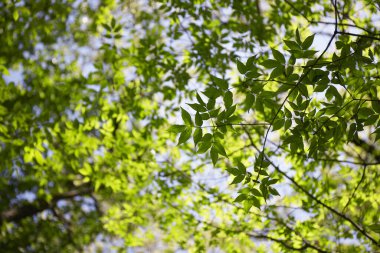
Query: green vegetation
point(204, 125)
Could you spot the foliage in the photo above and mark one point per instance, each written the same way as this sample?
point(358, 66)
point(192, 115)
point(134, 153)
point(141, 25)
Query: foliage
point(235, 126)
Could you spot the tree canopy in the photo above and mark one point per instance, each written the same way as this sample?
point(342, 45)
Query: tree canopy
point(203, 126)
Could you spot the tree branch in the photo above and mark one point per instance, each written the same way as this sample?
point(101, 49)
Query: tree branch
point(18, 213)
point(341, 215)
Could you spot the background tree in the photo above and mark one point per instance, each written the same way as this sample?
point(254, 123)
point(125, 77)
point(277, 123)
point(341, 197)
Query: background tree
point(275, 104)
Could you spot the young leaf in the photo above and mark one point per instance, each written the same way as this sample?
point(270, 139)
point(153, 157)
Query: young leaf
point(247, 205)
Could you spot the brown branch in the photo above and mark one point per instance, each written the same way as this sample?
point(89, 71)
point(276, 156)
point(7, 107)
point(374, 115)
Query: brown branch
point(326, 159)
point(252, 235)
point(18, 213)
point(339, 214)
point(356, 188)
point(236, 124)
point(311, 196)
point(359, 35)
point(295, 87)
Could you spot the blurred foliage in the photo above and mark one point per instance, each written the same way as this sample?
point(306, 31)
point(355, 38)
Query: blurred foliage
point(219, 126)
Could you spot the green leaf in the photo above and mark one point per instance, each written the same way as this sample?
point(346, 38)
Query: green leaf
point(230, 111)
point(177, 128)
point(228, 99)
point(288, 113)
point(270, 64)
point(321, 87)
point(375, 228)
point(264, 191)
point(198, 119)
point(241, 197)
point(298, 37)
point(308, 42)
point(205, 116)
point(278, 124)
point(198, 107)
point(376, 106)
point(251, 61)
point(219, 147)
point(273, 191)
point(242, 169)
point(214, 155)
point(197, 135)
point(278, 71)
point(113, 22)
point(185, 135)
point(203, 146)
point(38, 156)
point(278, 56)
point(233, 171)
point(241, 67)
point(247, 205)
point(303, 89)
point(212, 92)
point(238, 179)
point(249, 100)
point(288, 124)
point(256, 192)
point(272, 181)
point(200, 101)
point(211, 104)
point(207, 137)
point(214, 113)
point(365, 112)
point(15, 15)
point(292, 45)
point(186, 117)
point(220, 83)
point(255, 202)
